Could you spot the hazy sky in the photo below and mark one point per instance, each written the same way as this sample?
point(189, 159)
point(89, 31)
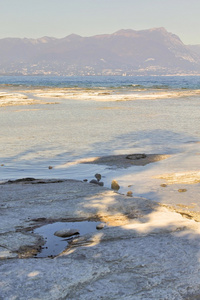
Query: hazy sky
point(59, 18)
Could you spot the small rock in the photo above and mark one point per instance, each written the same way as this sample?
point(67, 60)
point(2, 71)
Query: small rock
point(85, 180)
point(100, 226)
point(50, 167)
point(115, 185)
point(182, 190)
point(66, 232)
point(163, 185)
point(2, 165)
point(129, 194)
point(97, 176)
point(96, 182)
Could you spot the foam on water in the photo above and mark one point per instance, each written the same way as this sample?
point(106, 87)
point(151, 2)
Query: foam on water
point(112, 95)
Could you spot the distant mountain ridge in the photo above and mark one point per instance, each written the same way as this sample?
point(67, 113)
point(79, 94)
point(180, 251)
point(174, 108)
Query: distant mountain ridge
point(126, 52)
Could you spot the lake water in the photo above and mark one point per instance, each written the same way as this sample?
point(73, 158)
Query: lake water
point(95, 116)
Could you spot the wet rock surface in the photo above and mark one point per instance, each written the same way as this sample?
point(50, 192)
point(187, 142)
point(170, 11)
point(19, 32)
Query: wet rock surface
point(125, 161)
point(146, 252)
point(136, 156)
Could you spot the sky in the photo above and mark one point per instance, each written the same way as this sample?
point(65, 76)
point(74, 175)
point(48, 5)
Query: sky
point(59, 18)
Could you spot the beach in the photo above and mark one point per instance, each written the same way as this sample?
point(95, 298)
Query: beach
point(54, 140)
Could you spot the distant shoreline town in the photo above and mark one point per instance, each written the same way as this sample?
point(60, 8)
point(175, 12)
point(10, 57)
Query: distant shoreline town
point(123, 53)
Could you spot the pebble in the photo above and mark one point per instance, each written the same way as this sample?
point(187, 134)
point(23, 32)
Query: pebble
point(97, 176)
point(66, 232)
point(97, 182)
point(115, 185)
point(100, 226)
point(163, 185)
point(182, 190)
point(50, 167)
point(129, 193)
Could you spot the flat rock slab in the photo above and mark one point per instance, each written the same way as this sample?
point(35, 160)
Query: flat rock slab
point(125, 161)
point(146, 252)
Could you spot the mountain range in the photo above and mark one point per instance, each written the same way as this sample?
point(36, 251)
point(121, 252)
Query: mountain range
point(125, 52)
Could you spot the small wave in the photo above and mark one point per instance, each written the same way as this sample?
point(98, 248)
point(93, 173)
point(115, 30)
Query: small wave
point(112, 95)
point(131, 86)
point(108, 82)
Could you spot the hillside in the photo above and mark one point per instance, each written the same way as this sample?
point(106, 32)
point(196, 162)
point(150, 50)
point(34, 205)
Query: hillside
point(130, 52)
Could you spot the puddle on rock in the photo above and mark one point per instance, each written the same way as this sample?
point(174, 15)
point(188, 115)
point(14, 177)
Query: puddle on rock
point(55, 245)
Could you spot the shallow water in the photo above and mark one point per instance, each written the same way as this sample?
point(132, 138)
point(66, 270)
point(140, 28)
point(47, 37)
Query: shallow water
point(80, 124)
point(54, 245)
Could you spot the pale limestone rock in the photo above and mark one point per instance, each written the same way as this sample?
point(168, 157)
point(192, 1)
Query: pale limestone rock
point(157, 251)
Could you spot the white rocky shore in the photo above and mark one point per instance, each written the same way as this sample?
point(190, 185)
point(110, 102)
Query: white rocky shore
point(145, 252)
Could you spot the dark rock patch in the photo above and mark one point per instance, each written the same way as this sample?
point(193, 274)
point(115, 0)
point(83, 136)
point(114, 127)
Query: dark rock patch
point(136, 156)
point(125, 161)
point(30, 180)
point(96, 182)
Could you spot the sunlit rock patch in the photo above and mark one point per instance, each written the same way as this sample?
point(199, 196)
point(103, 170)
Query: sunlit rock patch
point(183, 177)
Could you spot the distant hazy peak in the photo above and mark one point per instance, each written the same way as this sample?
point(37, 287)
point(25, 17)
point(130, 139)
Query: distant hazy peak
point(133, 32)
point(46, 39)
point(161, 29)
point(42, 40)
point(152, 51)
point(124, 32)
point(73, 36)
